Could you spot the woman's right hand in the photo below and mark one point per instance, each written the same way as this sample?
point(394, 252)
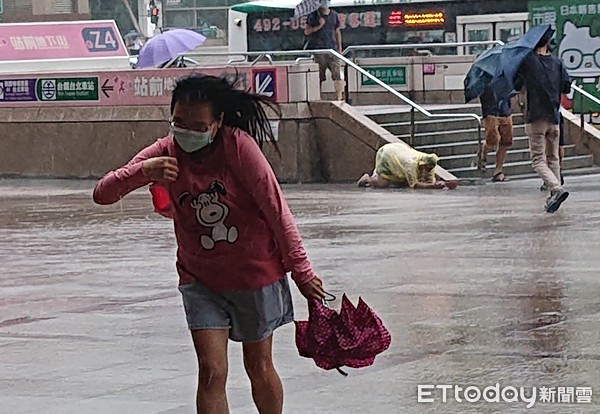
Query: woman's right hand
point(313, 289)
point(161, 169)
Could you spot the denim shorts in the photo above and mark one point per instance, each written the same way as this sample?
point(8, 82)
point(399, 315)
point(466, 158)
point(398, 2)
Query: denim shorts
point(250, 315)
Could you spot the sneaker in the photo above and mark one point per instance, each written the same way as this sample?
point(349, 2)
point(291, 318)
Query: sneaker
point(555, 200)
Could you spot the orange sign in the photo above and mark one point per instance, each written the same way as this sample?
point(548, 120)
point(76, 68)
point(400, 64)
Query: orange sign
point(398, 18)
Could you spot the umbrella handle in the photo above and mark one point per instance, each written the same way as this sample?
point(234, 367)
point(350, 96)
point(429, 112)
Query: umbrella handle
point(329, 297)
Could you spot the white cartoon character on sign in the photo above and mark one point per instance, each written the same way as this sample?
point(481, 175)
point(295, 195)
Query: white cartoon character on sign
point(580, 53)
point(212, 213)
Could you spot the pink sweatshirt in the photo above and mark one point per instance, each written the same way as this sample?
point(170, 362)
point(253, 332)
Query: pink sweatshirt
point(233, 226)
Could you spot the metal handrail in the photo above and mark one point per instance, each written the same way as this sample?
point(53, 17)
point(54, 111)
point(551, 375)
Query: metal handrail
point(414, 106)
point(354, 49)
point(241, 59)
point(583, 94)
point(261, 57)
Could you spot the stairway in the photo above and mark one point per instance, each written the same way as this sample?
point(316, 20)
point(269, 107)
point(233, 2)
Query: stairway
point(455, 140)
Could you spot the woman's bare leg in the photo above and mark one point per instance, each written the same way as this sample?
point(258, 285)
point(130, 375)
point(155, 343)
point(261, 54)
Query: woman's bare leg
point(211, 349)
point(267, 390)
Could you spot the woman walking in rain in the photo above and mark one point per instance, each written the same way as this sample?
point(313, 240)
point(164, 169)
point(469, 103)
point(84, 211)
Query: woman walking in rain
point(236, 236)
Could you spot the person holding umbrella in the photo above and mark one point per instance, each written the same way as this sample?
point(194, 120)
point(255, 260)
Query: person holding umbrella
point(236, 237)
point(324, 32)
point(545, 78)
point(497, 120)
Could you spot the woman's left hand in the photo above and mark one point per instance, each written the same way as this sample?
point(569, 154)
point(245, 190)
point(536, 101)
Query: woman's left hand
point(313, 289)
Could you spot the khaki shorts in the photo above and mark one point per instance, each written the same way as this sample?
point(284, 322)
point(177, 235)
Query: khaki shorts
point(328, 62)
point(498, 130)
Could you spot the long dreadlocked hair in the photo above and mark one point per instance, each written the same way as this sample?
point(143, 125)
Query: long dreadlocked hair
point(241, 109)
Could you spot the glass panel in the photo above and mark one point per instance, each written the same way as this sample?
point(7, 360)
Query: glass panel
point(212, 23)
point(478, 35)
point(420, 36)
point(214, 3)
point(183, 19)
point(169, 4)
point(510, 33)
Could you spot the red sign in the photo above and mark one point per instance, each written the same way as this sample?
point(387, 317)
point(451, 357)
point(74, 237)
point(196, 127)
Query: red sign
point(395, 18)
point(60, 40)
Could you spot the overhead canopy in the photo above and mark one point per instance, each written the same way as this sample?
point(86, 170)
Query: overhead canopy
point(262, 5)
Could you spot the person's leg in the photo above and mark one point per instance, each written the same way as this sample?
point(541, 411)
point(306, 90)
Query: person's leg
point(320, 59)
point(211, 350)
point(492, 137)
point(379, 182)
point(557, 194)
point(505, 130)
point(536, 132)
point(553, 151)
point(374, 181)
point(500, 157)
point(364, 180)
point(561, 154)
point(336, 74)
point(561, 149)
point(267, 390)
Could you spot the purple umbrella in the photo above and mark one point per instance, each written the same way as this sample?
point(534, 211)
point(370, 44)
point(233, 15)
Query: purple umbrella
point(164, 47)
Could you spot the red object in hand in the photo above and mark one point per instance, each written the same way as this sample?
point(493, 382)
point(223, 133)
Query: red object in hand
point(352, 338)
point(160, 199)
point(451, 185)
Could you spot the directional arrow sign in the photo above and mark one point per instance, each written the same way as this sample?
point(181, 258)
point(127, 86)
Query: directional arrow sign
point(265, 82)
point(105, 87)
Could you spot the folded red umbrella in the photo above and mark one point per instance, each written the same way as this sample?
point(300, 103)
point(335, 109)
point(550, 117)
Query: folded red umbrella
point(352, 338)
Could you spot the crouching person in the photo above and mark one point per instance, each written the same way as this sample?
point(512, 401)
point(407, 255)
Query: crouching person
point(398, 165)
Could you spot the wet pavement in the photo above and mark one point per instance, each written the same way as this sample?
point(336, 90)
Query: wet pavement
point(477, 286)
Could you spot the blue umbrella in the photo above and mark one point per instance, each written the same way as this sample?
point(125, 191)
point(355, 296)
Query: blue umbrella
point(164, 47)
point(513, 55)
point(482, 72)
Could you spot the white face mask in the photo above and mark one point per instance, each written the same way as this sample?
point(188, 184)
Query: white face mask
point(191, 141)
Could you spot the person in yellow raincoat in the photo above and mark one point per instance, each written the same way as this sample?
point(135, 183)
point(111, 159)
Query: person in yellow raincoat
point(399, 165)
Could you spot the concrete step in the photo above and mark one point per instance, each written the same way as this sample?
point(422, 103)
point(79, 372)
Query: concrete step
point(453, 136)
point(437, 125)
point(466, 147)
point(402, 126)
point(513, 155)
point(524, 167)
point(574, 172)
point(398, 113)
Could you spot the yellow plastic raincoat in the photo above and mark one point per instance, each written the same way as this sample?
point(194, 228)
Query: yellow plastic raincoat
point(399, 164)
